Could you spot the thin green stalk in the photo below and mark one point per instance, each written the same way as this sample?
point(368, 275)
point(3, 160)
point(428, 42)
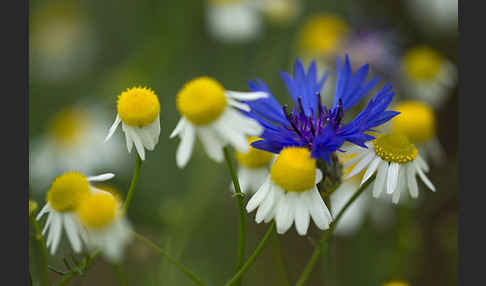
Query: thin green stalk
point(176, 263)
point(40, 240)
point(281, 262)
point(133, 184)
point(252, 258)
point(320, 246)
point(86, 266)
point(241, 209)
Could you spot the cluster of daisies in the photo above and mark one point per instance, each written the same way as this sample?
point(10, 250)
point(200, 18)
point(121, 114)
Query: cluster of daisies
point(279, 150)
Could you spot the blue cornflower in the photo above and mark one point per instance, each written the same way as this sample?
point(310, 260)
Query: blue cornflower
point(314, 126)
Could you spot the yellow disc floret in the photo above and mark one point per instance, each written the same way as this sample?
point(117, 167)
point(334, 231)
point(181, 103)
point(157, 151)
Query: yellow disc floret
point(67, 191)
point(416, 121)
point(323, 34)
point(202, 100)
point(395, 147)
point(98, 210)
point(67, 126)
point(422, 63)
point(138, 106)
point(255, 158)
point(396, 283)
point(294, 170)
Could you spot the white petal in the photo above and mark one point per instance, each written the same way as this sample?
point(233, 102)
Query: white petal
point(355, 158)
point(284, 214)
point(138, 142)
point(421, 162)
point(101, 178)
point(56, 231)
point(266, 206)
point(128, 139)
point(48, 222)
point(401, 183)
point(72, 232)
point(239, 105)
point(179, 127)
point(113, 127)
point(184, 150)
point(302, 218)
point(424, 178)
point(212, 144)
point(44, 210)
point(317, 212)
point(319, 176)
point(412, 181)
point(392, 177)
point(361, 165)
point(380, 180)
point(371, 169)
point(240, 95)
point(259, 196)
point(278, 195)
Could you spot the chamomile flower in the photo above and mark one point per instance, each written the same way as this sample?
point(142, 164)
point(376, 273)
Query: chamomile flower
point(73, 141)
point(64, 196)
point(252, 168)
point(428, 76)
point(213, 114)
point(106, 227)
point(396, 162)
point(417, 120)
point(290, 193)
point(321, 37)
point(233, 21)
point(138, 110)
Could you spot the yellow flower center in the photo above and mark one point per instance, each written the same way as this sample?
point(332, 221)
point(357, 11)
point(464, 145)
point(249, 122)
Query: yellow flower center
point(255, 158)
point(138, 106)
point(422, 63)
point(294, 170)
point(202, 100)
point(416, 121)
point(67, 191)
point(323, 34)
point(98, 210)
point(395, 147)
point(396, 283)
point(110, 189)
point(67, 126)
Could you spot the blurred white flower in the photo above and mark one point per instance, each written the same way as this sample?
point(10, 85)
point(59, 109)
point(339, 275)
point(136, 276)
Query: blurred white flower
point(74, 141)
point(435, 17)
point(233, 21)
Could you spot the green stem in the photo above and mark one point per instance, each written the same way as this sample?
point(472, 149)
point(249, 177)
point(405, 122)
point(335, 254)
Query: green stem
point(241, 209)
point(119, 274)
point(86, 266)
point(320, 246)
point(176, 263)
point(39, 238)
point(252, 258)
point(133, 184)
point(280, 258)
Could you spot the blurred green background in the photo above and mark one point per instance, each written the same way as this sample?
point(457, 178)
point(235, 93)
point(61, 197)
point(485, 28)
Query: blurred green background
point(109, 46)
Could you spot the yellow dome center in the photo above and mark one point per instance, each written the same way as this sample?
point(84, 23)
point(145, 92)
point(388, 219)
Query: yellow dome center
point(422, 63)
point(67, 126)
point(323, 34)
point(294, 170)
point(138, 106)
point(416, 121)
point(201, 101)
point(254, 158)
point(67, 191)
point(395, 147)
point(98, 210)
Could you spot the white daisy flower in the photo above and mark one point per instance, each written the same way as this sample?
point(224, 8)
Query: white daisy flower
point(427, 75)
point(63, 198)
point(74, 141)
point(106, 227)
point(138, 109)
point(417, 120)
point(396, 162)
point(252, 168)
point(436, 17)
point(233, 21)
point(211, 112)
point(290, 193)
